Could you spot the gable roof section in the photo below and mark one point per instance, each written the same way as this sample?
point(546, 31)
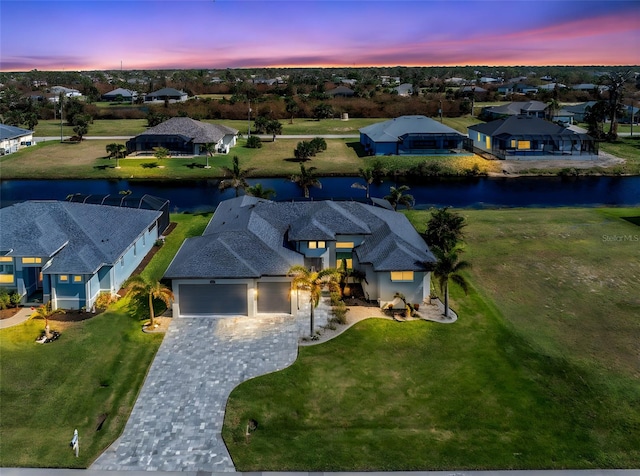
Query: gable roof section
point(198, 132)
point(520, 126)
point(167, 92)
point(394, 129)
point(12, 132)
point(120, 91)
point(81, 237)
point(516, 107)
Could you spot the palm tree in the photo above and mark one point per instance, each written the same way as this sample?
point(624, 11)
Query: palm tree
point(447, 268)
point(398, 197)
point(306, 179)
point(210, 149)
point(444, 229)
point(259, 192)
point(369, 178)
point(238, 177)
point(616, 83)
point(314, 282)
point(45, 312)
point(146, 288)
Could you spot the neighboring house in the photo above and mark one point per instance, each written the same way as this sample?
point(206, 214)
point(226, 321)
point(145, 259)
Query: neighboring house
point(68, 92)
point(68, 253)
point(182, 135)
point(14, 138)
point(579, 111)
point(239, 265)
point(166, 94)
point(552, 86)
point(629, 113)
point(341, 92)
point(519, 88)
point(410, 135)
point(521, 137)
point(120, 94)
point(590, 87)
point(522, 108)
point(404, 89)
point(477, 90)
point(562, 116)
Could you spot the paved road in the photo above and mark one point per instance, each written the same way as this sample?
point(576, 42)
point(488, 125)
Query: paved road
point(265, 137)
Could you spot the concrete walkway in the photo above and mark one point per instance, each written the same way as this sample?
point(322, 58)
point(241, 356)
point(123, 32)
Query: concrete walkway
point(23, 315)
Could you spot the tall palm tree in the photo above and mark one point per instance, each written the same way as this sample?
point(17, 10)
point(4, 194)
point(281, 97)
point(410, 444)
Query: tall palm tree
point(369, 178)
point(259, 192)
point(146, 288)
point(237, 177)
point(444, 229)
point(448, 268)
point(210, 149)
point(398, 197)
point(314, 282)
point(306, 179)
point(45, 312)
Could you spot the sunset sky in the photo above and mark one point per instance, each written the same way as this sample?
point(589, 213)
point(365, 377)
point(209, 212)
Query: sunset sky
point(149, 34)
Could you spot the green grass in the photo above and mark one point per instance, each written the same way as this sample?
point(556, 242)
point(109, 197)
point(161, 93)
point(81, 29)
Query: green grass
point(96, 367)
point(99, 127)
point(540, 371)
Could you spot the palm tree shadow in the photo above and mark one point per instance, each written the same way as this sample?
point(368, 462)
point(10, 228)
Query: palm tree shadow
point(634, 220)
point(102, 167)
point(194, 165)
point(358, 149)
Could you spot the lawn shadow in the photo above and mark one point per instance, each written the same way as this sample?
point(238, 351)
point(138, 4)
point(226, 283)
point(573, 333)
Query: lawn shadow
point(102, 167)
point(634, 220)
point(293, 159)
point(150, 165)
point(358, 149)
point(194, 165)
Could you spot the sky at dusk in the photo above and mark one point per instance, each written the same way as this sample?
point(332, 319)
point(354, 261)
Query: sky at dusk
point(167, 34)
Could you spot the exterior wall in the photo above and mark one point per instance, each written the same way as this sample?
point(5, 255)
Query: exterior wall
point(134, 255)
point(25, 276)
point(423, 144)
point(70, 294)
point(415, 291)
point(146, 143)
point(14, 144)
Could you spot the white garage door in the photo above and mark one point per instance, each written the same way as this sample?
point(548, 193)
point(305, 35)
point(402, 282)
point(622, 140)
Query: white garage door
point(274, 298)
point(210, 299)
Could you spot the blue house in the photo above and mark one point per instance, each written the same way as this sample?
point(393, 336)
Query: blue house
point(410, 135)
point(68, 253)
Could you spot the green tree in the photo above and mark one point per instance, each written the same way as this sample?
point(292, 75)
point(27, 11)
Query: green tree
point(397, 197)
point(161, 153)
point(260, 125)
point(254, 142)
point(367, 176)
point(323, 111)
point(116, 151)
point(237, 177)
point(616, 82)
point(303, 151)
point(314, 282)
point(274, 128)
point(45, 312)
point(259, 192)
point(318, 144)
point(81, 125)
point(210, 149)
point(306, 179)
point(292, 109)
point(595, 117)
point(448, 268)
point(143, 288)
point(444, 229)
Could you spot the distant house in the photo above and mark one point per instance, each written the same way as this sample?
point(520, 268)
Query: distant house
point(239, 266)
point(405, 89)
point(410, 135)
point(552, 86)
point(120, 94)
point(182, 135)
point(341, 92)
point(68, 253)
point(67, 92)
point(522, 108)
point(476, 90)
point(590, 87)
point(562, 116)
point(519, 88)
point(579, 111)
point(166, 94)
point(14, 138)
point(521, 137)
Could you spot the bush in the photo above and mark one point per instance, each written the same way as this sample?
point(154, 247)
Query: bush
point(5, 300)
point(254, 142)
point(15, 298)
point(340, 313)
point(105, 299)
point(336, 298)
point(318, 144)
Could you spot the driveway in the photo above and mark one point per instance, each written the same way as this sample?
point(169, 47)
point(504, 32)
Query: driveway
point(176, 422)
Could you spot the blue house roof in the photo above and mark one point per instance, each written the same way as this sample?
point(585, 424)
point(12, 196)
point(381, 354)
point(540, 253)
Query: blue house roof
point(394, 129)
point(12, 132)
point(80, 237)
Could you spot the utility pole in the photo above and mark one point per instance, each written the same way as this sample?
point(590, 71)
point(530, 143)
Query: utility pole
point(61, 101)
point(440, 111)
point(249, 121)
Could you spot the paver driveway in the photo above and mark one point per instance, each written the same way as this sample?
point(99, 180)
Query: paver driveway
point(176, 422)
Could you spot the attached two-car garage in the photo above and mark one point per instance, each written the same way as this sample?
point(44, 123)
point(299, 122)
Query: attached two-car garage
point(234, 299)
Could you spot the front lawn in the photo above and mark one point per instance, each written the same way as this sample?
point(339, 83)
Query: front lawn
point(94, 370)
point(539, 372)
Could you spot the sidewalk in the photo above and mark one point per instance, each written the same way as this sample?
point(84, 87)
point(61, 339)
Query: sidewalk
point(23, 315)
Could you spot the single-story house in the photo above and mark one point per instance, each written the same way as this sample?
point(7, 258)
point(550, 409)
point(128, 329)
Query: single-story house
point(67, 92)
point(579, 111)
point(166, 94)
point(183, 135)
point(590, 87)
point(405, 89)
point(522, 137)
point(120, 94)
point(562, 116)
point(410, 135)
point(552, 86)
point(68, 253)
point(341, 92)
point(519, 108)
point(14, 138)
point(239, 265)
point(520, 88)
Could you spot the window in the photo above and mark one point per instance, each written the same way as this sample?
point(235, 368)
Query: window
point(401, 275)
point(63, 278)
point(344, 245)
point(135, 250)
point(313, 245)
point(6, 259)
point(346, 263)
point(487, 141)
point(524, 144)
point(6, 273)
point(31, 260)
point(513, 143)
point(122, 262)
point(77, 278)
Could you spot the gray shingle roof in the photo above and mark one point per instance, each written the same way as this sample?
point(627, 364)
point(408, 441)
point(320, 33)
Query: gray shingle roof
point(11, 132)
point(80, 237)
point(247, 238)
point(515, 108)
point(199, 132)
point(125, 93)
point(394, 129)
point(167, 92)
point(520, 125)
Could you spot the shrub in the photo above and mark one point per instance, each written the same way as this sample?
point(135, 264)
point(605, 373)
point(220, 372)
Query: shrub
point(335, 298)
point(318, 144)
point(159, 242)
point(254, 142)
point(5, 300)
point(105, 299)
point(15, 298)
point(340, 313)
